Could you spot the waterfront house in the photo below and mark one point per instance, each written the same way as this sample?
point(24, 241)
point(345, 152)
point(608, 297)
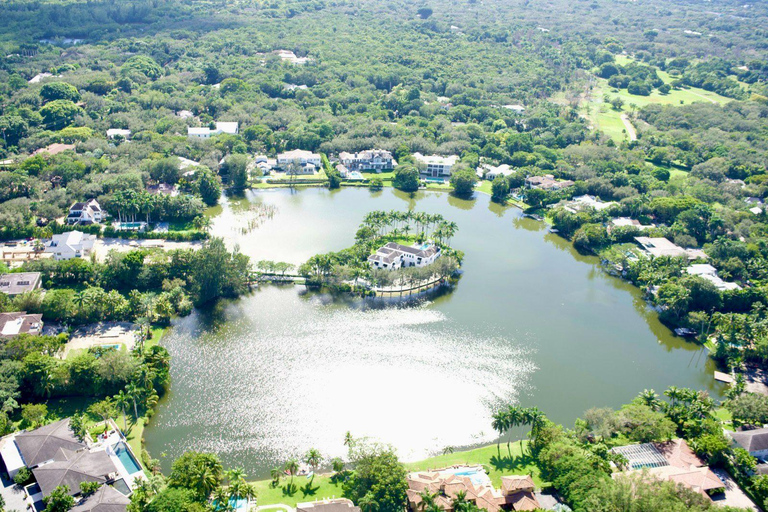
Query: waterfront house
point(586, 201)
point(659, 246)
point(626, 221)
point(377, 160)
point(163, 189)
point(490, 172)
point(673, 461)
point(72, 244)
point(303, 162)
point(328, 505)
point(393, 256)
point(22, 282)
point(517, 492)
point(85, 213)
point(708, 272)
point(19, 322)
point(547, 182)
point(205, 132)
point(55, 457)
point(435, 166)
point(754, 441)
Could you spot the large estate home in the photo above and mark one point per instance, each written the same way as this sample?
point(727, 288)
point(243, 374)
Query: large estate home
point(436, 166)
point(672, 461)
point(659, 246)
point(372, 160)
point(393, 256)
point(205, 132)
point(517, 491)
point(547, 182)
point(19, 282)
point(304, 162)
point(755, 441)
point(19, 322)
point(328, 505)
point(85, 213)
point(56, 457)
point(72, 244)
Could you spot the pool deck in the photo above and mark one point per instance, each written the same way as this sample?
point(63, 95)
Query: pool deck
point(102, 334)
point(115, 437)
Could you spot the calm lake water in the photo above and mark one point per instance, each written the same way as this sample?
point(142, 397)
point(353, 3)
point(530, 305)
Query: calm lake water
point(531, 321)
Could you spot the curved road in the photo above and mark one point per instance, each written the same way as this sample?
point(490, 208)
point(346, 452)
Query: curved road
point(628, 125)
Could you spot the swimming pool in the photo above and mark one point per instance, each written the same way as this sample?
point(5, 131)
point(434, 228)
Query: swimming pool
point(477, 475)
point(238, 505)
point(126, 457)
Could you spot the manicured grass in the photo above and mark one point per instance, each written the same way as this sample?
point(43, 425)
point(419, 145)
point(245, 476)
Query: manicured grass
point(724, 415)
point(484, 187)
point(498, 462)
point(320, 487)
point(157, 334)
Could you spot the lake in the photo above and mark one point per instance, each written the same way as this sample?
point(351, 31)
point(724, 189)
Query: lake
point(531, 321)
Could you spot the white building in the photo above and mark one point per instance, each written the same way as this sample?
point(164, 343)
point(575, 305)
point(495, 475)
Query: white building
point(580, 203)
point(659, 246)
point(490, 172)
point(85, 213)
point(289, 56)
point(517, 109)
point(436, 166)
point(393, 256)
point(708, 272)
point(371, 160)
point(754, 441)
point(114, 133)
point(205, 132)
point(303, 158)
point(72, 244)
point(626, 221)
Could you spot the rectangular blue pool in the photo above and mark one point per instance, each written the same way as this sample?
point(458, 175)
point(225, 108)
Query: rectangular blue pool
point(126, 457)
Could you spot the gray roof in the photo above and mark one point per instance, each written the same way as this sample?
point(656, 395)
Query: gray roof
point(421, 253)
point(337, 505)
point(72, 468)
point(752, 440)
point(106, 499)
point(17, 283)
point(43, 444)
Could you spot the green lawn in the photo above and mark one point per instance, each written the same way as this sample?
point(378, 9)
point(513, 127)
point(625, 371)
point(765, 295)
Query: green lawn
point(484, 187)
point(604, 118)
point(497, 461)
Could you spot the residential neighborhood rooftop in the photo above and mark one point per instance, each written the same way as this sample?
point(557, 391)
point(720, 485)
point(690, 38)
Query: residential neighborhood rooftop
point(13, 324)
point(18, 283)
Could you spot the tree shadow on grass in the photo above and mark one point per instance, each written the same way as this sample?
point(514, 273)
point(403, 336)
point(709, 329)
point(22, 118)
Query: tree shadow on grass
point(290, 489)
point(309, 489)
point(511, 463)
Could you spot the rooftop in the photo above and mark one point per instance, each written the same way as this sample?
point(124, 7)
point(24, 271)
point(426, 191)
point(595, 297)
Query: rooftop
point(752, 440)
point(105, 499)
point(42, 444)
point(13, 324)
point(72, 468)
point(15, 284)
point(335, 505)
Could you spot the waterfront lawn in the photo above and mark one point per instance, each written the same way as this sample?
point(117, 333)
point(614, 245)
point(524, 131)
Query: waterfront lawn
point(321, 487)
point(498, 461)
point(484, 187)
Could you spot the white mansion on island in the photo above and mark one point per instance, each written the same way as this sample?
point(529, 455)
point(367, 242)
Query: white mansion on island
point(393, 256)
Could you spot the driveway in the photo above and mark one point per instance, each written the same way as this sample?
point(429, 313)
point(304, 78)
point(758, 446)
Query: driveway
point(14, 496)
point(733, 496)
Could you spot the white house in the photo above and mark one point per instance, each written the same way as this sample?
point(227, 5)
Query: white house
point(517, 109)
point(205, 132)
point(547, 182)
point(708, 272)
point(307, 160)
point(659, 246)
point(393, 256)
point(72, 244)
point(436, 166)
point(626, 221)
point(85, 213)
point(490, 172)
point(371, 160)
point(580, 203)
point(113, 133)
point(754, 441)
point(289, 56)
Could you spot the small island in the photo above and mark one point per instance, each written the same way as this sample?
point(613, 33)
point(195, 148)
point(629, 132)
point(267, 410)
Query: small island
point(395, 255)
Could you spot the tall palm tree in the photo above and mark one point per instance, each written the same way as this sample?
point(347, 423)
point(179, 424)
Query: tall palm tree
point(313, 458)
point(650, 398)
point(368, 503)
point(123, 402)
point(235, 475)
point(206, 482)
point(292, 467)
point(674, 394)
point(515, 418)
point(500, 424)
point(427, 502)
point(134, 392)
point(276, 474)
point(221, 497)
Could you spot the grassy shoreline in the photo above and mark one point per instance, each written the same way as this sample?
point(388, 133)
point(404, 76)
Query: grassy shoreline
point(498, 461)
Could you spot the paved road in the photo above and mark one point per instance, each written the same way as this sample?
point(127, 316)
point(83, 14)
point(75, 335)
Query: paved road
point(628, 125)
point(734, 496)
point(14, 496)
